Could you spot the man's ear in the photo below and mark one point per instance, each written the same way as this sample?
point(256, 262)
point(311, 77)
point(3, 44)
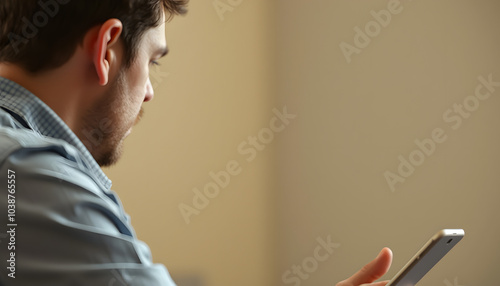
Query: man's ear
point(104, 54)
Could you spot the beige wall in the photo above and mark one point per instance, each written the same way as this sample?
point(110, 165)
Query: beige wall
point(323, 175)
point(357, 118)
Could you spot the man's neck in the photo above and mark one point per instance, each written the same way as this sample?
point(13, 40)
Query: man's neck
point(52, 87)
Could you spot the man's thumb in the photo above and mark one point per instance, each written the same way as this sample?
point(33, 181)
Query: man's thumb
point(373, 270)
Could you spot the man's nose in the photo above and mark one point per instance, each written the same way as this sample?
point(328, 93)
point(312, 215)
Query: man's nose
point(150, 93)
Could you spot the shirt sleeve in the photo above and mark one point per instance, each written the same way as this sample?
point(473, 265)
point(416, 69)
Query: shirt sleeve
point(63, 228)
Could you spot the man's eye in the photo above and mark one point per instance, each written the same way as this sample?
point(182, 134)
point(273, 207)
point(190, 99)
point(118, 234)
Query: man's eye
point(154, 63)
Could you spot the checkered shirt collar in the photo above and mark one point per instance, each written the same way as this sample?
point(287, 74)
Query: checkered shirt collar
point(43, 120)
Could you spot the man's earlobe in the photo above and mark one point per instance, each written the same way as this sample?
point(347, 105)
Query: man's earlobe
point(103, 55)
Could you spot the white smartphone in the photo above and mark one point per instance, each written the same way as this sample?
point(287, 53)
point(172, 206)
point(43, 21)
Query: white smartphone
point(427, 257)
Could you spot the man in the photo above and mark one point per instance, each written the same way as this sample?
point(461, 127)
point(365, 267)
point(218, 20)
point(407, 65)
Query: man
point(73, 77)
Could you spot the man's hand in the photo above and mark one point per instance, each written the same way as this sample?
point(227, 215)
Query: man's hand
point(371, 271)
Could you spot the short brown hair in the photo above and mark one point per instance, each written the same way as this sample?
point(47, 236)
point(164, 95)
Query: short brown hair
point(42, 34)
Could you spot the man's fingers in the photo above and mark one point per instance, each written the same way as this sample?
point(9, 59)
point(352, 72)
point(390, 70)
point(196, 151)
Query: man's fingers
point(381, 283)
point(371, 271)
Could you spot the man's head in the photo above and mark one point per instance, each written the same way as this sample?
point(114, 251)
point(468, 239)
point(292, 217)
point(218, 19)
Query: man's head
point(53, 28)
point(88, 60)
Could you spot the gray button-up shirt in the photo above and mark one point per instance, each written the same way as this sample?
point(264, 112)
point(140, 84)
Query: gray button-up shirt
point(60, 224)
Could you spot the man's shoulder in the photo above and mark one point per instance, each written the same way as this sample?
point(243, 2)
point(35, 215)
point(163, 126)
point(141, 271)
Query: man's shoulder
point(14, 136)
point(34, 154)
point(15, 139)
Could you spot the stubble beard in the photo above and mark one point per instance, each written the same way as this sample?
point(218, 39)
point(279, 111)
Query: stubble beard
point(106, 122)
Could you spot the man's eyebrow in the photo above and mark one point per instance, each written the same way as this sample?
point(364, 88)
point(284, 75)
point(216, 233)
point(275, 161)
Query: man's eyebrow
point(163, 51)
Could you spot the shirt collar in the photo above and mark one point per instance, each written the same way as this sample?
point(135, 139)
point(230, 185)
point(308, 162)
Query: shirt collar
point(43, 120)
